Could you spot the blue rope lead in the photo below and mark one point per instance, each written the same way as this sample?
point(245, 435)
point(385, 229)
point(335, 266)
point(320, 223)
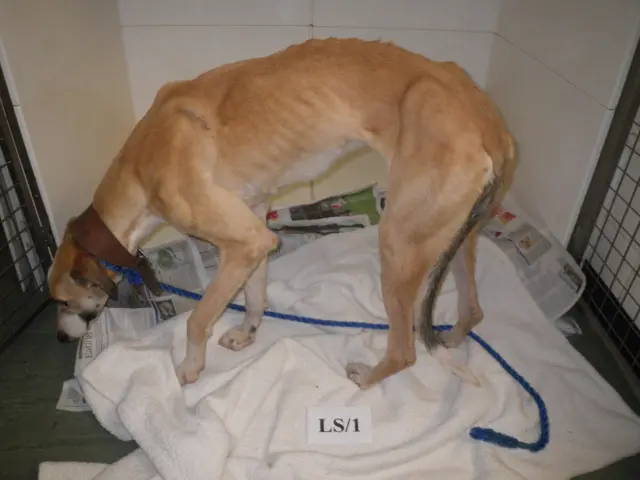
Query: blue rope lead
point(487, 435)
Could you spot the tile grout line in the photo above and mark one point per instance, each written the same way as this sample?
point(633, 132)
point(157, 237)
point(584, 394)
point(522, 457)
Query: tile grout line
point(547, 67)
point(300, 25)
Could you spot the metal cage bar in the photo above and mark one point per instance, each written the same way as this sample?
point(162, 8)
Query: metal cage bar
point(606, 238)
point(26, 240)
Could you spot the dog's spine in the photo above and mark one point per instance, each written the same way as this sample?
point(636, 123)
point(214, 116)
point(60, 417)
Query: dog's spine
point(479, 211)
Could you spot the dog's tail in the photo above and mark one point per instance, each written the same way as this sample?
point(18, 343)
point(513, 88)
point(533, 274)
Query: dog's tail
point(480, 210)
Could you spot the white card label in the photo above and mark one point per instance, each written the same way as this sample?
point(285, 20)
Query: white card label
point(339, 425)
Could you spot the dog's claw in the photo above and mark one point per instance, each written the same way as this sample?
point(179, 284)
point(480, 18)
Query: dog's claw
point(237, 339)
point(358, 373)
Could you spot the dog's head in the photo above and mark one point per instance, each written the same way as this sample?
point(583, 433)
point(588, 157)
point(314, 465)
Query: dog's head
point(81, 286)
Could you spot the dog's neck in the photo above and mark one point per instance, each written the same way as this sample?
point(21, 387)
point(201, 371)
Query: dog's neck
point(115, 243)
point(131, 227)
point(121, 203)
point(122, 206)
point(94, 236)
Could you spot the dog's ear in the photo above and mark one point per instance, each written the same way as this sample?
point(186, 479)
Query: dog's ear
point(89, 273)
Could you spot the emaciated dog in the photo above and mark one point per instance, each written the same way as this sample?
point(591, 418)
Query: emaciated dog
point(211, 151)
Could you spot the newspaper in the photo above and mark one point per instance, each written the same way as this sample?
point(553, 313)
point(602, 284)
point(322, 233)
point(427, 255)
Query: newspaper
point(113, 325)
point(548, 272)
point(301, 224)
point(190, 263)
point(72, 398)
point(177, 263)
point(358, 208)
point(546, 269)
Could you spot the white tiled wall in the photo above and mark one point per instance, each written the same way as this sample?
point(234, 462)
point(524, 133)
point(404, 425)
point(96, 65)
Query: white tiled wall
point(558, 129)
point(157, 54)
point(470, 49)
point(8, 78)
point(216, 12)
point(587, 42)
point(453, 15)
point(65, 64)
point(164, 41)
point(556, 72)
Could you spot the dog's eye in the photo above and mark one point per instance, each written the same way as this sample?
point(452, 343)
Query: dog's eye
point(63, 303)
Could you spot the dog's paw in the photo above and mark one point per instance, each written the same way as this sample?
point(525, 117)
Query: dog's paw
point(359, 373)
point(237, 339)
point(187, 372)
point(450, 338)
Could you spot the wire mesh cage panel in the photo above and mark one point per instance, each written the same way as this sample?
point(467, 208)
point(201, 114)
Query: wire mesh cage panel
point(606, 236)
point(612, 256)
point(25, 237)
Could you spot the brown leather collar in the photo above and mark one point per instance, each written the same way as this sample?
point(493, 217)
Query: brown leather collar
point(93, 236)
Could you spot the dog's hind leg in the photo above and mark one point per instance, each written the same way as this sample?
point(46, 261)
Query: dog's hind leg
point(416, 248)
point(469, 311)
point(413, 242)
point(403, 266)
point(255, 294)
point(431, 210)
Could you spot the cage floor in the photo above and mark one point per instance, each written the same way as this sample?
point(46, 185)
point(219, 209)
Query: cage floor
point(33, 368)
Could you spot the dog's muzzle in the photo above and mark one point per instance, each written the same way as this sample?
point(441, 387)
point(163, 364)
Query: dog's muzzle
point(88, 316)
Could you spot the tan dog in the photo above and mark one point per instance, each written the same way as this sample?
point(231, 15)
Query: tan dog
point(211, 151)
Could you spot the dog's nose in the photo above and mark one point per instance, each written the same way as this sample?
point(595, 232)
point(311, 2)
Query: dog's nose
point(63, 337)
point(88, 316)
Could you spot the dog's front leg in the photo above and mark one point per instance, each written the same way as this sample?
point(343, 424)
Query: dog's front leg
point(236, 266)
point(242, 251)
point(255, 295)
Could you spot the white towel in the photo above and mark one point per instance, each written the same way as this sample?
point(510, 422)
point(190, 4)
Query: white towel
point(246, 416)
